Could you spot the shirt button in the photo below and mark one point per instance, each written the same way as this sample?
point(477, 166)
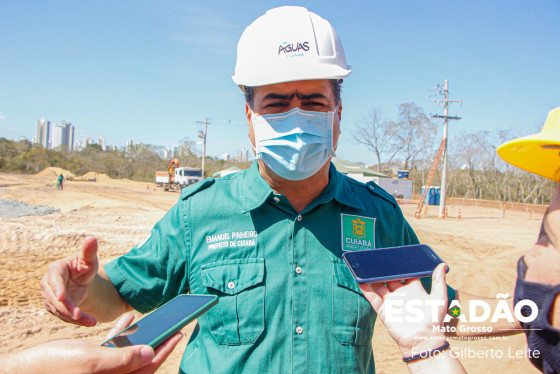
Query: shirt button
point(299, 329)
point(299, 270)
point(276, 199)
point(299, 217)
point(231, 285)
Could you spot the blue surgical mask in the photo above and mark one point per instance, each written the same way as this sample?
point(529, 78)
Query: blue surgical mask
point(294, 144)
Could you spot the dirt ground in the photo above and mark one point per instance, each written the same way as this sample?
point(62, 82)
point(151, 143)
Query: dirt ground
point(481, 249)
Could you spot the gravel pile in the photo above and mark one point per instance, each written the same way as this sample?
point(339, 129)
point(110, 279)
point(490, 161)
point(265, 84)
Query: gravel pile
point(16, 209)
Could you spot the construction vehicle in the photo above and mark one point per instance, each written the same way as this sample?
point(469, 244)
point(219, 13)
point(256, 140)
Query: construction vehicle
point(176, 178)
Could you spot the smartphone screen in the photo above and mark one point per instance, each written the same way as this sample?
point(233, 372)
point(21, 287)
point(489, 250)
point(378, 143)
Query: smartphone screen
point(394, 263)
point(163, 322)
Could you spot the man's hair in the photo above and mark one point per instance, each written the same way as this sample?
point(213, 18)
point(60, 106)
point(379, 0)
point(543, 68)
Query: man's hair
point(336, 85)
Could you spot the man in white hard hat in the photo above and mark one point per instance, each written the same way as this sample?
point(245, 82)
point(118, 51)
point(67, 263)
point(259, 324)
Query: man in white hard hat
point(268, 241)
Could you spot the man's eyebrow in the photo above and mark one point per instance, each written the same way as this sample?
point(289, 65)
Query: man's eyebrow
point(275, 96)
point(311, 96)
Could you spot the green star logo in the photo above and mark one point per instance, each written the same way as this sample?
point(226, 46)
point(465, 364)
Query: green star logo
point(455, 311)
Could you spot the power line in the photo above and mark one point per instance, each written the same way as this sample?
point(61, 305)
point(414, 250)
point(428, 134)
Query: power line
point(444, 91)
point(203, 135)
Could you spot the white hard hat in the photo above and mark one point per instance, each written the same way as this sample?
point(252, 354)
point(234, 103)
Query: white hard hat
point(288, 44)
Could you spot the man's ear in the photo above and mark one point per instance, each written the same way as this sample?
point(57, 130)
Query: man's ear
point(339, 111)
point(248, 113)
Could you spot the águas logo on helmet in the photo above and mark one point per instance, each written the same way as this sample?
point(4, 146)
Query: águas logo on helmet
point(293, 49)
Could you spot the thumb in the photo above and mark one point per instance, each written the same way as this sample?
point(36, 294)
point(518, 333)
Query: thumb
point(124, 360)
point(88, 253)
point(439, 287)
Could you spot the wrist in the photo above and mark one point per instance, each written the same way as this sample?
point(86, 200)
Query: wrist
point(434, 352)
point(423, 344)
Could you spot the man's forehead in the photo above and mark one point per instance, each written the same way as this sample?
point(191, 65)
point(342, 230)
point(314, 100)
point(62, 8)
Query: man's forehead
point(314, 88)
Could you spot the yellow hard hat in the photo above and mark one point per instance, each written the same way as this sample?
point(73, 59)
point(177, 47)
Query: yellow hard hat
point(538, 153)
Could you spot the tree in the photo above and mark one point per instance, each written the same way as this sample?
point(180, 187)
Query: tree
point(415, 133)
point(470, 150)
point(378, 136)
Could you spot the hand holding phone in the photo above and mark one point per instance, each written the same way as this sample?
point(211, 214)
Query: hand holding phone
point(162, 323)
point(393, 263)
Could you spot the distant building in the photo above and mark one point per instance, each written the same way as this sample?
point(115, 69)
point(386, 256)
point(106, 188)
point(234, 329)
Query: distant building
point(399, 188)
point(101, 143)
point(69, 135)
point(225, 157)
point(63, 136)
point(86, 142)
point(175, 151)
point(43, 136)
point(57, 136)
point(129, 144)
point(110, 147)
point(242, 155)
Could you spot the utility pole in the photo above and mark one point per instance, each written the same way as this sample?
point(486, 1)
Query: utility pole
point(445, 92)
point(202, 135)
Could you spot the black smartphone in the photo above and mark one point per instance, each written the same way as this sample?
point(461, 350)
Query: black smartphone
point(159, 325)
point(393, 263)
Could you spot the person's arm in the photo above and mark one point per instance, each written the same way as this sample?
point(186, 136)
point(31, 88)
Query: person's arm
point(76, 356)
point(543, 266)
point(73, 290)
point(416, 338)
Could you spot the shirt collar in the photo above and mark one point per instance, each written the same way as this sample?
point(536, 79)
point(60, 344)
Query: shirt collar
point(341, 190)
point(256, 191)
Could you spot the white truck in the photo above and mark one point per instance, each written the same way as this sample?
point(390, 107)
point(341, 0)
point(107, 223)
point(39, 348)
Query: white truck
point(188, 176)
point(175, 178)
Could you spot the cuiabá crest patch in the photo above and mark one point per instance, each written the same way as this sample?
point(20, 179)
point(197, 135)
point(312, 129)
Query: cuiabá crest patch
point(358, 233)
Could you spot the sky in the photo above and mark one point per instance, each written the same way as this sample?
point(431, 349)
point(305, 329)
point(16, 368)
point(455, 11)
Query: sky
point(150, 70)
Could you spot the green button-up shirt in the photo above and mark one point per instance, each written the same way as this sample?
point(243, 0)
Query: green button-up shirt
point(287, 301)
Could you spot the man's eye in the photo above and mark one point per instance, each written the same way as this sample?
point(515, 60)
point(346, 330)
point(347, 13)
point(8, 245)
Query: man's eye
point(275, 105)
point(315, 104)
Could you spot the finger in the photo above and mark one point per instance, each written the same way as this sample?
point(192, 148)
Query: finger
point(85, 320)
point(122, 360)
point(394, 285)
point(162, 353)
point(374, 293)
point(379, 288)
point(57, 278)
point(65, 309)
point(88, 253)
point(439, 287)
point(52, 300)
point(121, 324)
point(59, 310)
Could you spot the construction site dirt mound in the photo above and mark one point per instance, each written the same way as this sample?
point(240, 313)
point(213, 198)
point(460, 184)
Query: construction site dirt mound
point(91, 176)
point(53, 171)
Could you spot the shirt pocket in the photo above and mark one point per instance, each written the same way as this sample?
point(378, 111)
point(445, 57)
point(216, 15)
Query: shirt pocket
point(238, 318)
point(352, 315)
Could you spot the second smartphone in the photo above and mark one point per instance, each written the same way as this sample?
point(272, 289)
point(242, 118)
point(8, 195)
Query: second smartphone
point(159, 325)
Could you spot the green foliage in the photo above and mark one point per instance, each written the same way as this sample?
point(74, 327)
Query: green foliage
point(140, 163)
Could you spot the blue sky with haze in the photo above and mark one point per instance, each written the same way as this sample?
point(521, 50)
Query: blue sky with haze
point(148, 70)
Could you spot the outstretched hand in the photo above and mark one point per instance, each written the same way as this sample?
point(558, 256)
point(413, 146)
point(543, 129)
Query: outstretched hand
point(418, 330)
point(66, 283)
point(79, 357)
